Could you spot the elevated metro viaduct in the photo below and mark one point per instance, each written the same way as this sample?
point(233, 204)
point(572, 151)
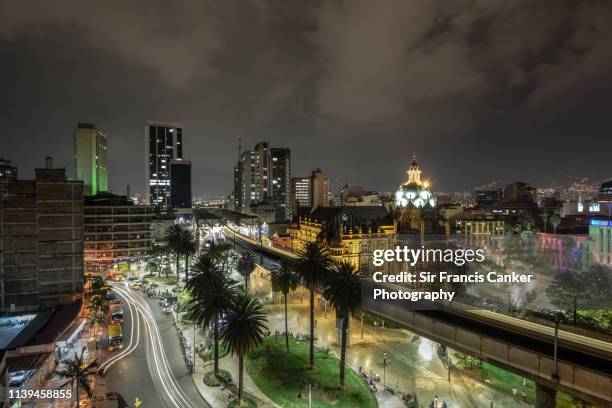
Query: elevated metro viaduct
point(583, 367)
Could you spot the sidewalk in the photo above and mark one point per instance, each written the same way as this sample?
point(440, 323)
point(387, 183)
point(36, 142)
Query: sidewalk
point(219, 396)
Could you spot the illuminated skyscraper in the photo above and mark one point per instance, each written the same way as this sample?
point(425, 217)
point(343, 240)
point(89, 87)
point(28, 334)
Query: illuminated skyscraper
point(262, 177)
point(90, 158)
point(163, 144)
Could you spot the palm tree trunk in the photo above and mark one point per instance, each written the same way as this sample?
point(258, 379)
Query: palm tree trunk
point(216, 340)
point(77, 392)
point(311, 327)
point(177, 268)
point(186, 267)
point(246, 283)
point(345, 320)
point(286, 325)
point(240, 377)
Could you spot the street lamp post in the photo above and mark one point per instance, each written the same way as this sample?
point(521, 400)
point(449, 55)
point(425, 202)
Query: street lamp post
point(555, 375)
point(260, 245)
point(386, 362)
point(361, 318)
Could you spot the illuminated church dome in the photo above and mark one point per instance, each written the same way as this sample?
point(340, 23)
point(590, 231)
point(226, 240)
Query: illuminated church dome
point(414, 192)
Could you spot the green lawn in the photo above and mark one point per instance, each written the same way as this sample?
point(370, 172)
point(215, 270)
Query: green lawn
point(283, 376)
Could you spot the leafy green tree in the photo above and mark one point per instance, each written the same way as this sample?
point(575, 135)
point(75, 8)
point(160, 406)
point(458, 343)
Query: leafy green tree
point(77, 373)
point(246, 266)
point(99, 287)
point(544, 214)
point(285, 279)
point(157, 259)
point(342, 289)
point(555, 221)
point(243, 330)
point(211, 293)
point(312, 265)
point(565, 290)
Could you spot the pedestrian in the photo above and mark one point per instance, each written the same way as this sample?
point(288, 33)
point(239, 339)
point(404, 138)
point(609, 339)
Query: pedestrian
point(435, 401)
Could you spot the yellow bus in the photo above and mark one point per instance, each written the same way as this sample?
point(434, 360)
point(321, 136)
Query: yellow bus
point(115, 337)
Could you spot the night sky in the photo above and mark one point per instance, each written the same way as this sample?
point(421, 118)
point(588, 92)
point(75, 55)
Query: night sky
point(479, 90)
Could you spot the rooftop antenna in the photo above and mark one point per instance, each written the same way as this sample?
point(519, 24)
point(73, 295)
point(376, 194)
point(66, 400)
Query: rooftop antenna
point(239, 147)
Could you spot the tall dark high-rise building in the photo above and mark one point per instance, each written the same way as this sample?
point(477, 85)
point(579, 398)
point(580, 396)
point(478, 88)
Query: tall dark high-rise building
point(262, 178)
point(180, 184)
point(280, 181)
point(163, 144)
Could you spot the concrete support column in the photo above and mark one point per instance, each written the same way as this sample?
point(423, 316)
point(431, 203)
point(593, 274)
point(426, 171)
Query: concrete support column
point(545, 397)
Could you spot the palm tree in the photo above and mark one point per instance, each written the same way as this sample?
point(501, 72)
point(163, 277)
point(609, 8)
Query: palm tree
point(174, 240)
point(343, 291)
point(246, 266)
point(243, 330)
point(77, 374)
point(555, 221)
point(284, 279)
point(544, 215)
point(220, 253)
point(312, 265)
point(211, 293)
point(189, 246)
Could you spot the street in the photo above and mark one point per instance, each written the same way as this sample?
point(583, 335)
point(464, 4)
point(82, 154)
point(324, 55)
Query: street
point(151, 358)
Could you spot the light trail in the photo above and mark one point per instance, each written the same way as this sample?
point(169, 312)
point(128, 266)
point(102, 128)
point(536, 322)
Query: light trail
point(135, 317)
point(161, 367)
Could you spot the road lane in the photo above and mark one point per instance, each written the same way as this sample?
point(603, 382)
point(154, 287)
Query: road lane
point(126, 372)
point(166, 367)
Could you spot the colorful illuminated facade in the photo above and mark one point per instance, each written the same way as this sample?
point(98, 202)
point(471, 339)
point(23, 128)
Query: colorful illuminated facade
point(416, 205)
point(351, 233)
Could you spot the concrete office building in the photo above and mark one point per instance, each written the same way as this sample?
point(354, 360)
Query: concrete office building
point(41, 241)
point(163, 144)
point(300, 192)
point(90, 158)
point(116, 232)
point(262, 178)
point(319, 189)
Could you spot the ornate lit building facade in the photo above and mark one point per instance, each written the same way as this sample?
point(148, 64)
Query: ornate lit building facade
point(415, 205)
point(351, 233)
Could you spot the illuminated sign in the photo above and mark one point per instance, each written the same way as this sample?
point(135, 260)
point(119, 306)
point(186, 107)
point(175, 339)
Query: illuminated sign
point(601, 223)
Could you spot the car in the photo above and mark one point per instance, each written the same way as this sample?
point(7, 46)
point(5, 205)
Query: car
point(112, 299)
point(136, 286)
point(18, 378)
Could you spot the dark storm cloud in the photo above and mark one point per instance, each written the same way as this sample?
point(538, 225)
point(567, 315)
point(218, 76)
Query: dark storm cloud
point(479, 89)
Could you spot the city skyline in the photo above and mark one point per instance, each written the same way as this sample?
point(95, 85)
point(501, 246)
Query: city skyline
point(504, 87)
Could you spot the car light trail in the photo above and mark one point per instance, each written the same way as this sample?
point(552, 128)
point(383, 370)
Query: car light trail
point(160, 366)
point(135, 317)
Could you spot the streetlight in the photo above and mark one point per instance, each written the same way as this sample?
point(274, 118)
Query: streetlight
point(386, 362)
point(361, 317)
point(555, 375)
point(260, 245)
